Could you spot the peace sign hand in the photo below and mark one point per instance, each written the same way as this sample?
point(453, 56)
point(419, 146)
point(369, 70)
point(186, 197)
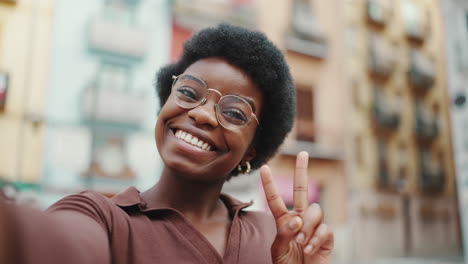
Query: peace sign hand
point(301, 236)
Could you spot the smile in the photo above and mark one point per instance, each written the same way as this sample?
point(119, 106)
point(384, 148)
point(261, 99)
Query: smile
point(192, 140)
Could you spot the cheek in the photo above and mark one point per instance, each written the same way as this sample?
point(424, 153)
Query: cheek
point(240, 142)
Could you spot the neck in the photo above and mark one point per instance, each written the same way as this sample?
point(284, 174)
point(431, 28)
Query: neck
point(194, 199)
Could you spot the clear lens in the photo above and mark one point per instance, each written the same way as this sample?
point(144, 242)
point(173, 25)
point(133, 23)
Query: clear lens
point(189, 91)
point(232, 111)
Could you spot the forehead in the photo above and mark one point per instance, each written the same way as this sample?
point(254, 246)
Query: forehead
point(224, 77)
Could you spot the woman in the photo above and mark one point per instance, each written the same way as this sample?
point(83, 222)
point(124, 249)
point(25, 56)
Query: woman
point(227, 105)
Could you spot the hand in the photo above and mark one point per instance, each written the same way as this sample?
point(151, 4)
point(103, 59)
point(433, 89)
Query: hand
point(301, 236)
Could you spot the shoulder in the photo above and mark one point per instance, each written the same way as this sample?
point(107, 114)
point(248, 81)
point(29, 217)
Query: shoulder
point(90, 200)
point(90, 203)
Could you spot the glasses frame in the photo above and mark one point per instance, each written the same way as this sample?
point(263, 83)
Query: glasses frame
point(203, 101)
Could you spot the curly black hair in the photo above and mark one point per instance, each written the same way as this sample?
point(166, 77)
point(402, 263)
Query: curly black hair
point(262, 61)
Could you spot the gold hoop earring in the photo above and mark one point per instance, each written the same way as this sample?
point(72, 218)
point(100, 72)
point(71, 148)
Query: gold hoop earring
point(247, 168)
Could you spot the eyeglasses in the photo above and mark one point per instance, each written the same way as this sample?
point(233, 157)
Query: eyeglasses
point(232, 112)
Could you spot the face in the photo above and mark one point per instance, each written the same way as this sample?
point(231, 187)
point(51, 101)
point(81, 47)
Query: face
point(218, 150)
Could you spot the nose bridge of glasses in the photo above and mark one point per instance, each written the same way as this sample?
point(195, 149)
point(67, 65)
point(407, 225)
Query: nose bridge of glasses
point(214, 90)
point(205, 99)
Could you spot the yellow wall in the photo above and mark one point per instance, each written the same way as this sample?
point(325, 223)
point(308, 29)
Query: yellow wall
point(25, 38)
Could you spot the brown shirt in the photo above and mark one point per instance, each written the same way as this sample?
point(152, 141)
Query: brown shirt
point(138, 234)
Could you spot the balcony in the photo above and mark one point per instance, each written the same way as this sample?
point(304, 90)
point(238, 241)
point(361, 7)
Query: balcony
point(431, 175)
point(378, 11)
point(119, 39)
point(382, 58)
point(113, 107)
point(386, 111)
point(415, 21)
point(304, 35)
point(193, 14)
point(421, 72)
point(426, 125)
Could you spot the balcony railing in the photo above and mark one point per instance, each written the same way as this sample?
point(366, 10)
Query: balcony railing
point(386, 111)
point(426, 125)
point(121, 39)
point(421, 73)
point(115, 107)
point(382, 58)
point(378, 11)
point(432, 177)
point(304, 35)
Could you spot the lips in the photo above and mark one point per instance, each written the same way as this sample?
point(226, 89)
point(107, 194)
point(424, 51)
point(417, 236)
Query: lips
point(192, 140)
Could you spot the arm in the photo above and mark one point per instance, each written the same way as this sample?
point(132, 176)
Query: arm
point(63, 236)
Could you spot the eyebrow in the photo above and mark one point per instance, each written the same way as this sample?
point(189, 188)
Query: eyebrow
point(188, 76)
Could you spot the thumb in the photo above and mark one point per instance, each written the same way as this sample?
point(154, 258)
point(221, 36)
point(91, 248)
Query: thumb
point(286, 234)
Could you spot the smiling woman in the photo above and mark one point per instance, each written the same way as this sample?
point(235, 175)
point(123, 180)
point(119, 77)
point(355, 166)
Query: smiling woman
point(226, 106)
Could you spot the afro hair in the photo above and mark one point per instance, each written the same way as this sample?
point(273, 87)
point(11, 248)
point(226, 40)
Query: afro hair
point(262, 61)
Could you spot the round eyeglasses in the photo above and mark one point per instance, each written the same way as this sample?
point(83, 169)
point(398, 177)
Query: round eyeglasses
point(232, 112)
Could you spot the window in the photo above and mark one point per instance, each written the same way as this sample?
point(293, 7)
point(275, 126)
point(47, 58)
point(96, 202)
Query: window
point(305, 114)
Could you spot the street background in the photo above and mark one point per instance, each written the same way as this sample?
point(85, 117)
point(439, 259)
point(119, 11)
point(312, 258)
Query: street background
point(381, 109)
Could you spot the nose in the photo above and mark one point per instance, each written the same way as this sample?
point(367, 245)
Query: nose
point(205, 114)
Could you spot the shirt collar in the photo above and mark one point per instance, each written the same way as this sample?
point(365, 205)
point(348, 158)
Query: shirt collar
point(131, 197)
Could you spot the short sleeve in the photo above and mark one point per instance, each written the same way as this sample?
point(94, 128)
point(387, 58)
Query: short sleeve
point(90, 203)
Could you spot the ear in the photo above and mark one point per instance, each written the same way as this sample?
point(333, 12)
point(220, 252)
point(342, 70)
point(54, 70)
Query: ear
point(250, 154)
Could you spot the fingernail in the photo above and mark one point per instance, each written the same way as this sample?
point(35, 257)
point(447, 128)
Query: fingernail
point(294, 223)
point(308, 249)
point(300, 238)
point(314, 240)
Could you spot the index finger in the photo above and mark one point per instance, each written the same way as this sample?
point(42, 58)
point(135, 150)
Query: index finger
point(301, 183)
point(275, 203)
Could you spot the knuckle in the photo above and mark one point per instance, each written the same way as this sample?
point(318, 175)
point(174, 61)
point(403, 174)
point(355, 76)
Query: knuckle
point(272, 197)
point(300, 189)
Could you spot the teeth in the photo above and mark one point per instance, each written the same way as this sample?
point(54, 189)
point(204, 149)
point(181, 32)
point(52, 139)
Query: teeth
point(192, 140)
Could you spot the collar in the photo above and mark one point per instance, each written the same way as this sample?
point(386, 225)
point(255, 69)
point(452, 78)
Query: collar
point(131, 198)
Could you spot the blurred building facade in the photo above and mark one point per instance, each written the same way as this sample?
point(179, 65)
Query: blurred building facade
point(25, 41)
point(400, 162)
point(101, 103)
point(372, 113)
point(373, 110)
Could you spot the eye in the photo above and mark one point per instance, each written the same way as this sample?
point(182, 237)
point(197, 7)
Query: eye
point(187, 94)
point(235, 116)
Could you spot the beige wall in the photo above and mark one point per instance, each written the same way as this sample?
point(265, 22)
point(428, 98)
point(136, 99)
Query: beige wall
point(25, 38)
point(358, 31)
point(326, 77)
